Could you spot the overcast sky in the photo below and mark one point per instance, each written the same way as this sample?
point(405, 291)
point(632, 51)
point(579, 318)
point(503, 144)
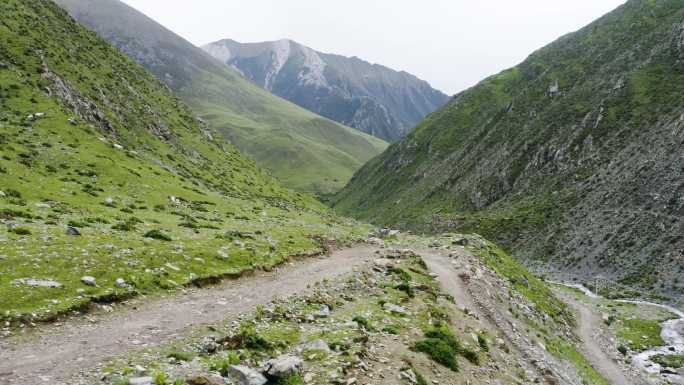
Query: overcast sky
point(452, 44)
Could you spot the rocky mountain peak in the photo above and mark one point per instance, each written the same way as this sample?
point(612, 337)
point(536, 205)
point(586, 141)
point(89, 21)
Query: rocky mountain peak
point(369, 97)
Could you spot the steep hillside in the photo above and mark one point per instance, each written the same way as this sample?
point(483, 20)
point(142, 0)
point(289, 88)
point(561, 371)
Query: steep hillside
point(111, 187)
point(573, 157)
point(372, 98)
point(303, 150)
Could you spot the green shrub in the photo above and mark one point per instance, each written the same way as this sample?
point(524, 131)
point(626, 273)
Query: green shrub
point(403, 274)
point(439, 351)
point(77, 224)
point(391, 329)
point(482, 341)
point(675, 361)
point(443, 346)
point(292, 379)
point(406, 288)
point(248, 338)
point(222, 365)
point(363, 322)
point(157, 234)
point(181, 356)
point(125, 226)
point(20, 230)
point(160, 378)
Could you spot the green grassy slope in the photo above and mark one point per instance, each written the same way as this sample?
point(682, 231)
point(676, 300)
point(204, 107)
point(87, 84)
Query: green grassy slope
point(303, 150)
point(90, 139)
point(589, 177)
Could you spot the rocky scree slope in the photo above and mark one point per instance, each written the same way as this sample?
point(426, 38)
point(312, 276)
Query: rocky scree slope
point(372, 98)
point(110, 186)
point(305, 151)
point(573, 157)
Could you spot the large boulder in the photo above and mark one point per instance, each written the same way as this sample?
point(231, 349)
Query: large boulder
point(73, 231)
point(316, 345)
point(283, 366)
point(244, 375)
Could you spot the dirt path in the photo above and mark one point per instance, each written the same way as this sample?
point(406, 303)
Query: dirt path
point(59, 352)
point(588, 328)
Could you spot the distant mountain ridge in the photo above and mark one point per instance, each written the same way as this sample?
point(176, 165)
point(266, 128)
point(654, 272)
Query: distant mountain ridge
point(303, 150)
point(370, 97)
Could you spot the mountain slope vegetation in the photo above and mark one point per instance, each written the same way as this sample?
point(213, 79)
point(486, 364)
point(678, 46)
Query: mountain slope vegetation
point(573, 157)
point(303, 150)
point(111, 187)
point(370, 97)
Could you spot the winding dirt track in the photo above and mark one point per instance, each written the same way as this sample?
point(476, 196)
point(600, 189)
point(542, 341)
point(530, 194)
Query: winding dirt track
point(588, 326)
point(59, 352)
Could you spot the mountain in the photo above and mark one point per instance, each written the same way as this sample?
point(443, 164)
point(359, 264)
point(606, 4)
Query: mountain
point(303, 150)
point(111, 187)
point(571, 159)
point(372, 98)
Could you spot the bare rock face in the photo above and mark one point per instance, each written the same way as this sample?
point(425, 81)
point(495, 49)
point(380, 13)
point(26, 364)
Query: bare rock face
point(244, 375)
point(283, 366)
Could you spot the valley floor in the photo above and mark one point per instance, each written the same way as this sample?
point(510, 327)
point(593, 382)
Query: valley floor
point(510, 341)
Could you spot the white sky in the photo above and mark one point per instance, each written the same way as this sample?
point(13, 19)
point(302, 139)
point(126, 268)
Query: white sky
point(452, 44)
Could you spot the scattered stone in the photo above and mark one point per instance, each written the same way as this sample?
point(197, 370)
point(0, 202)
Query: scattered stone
point(382, 264)
point(203, 379)
point(73, 231)
point(3, 65)
point(392, 308)
point(109, 201)
point(283, 366)
point(33, 282)
point(223, 253)
point(323, 312)
point(39, 115)
point(375, 241)
point(120, 282)
point(140, 381)
point(209, 345)
point(2, 257)
point(172, 267)
point(88, 280)
point(435, 244)
point(667, 370)
point(72, 121)
point(317, 345)
point(388, 233)
point(409, 375)
point(244, 375)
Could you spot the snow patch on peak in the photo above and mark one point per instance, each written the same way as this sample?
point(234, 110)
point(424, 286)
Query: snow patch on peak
point(312, 69)
point(219, 51)
point(280, 54)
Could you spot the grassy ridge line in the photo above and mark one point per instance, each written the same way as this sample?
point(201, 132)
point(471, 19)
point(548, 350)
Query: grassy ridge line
point(92, 142)
point(303, 150)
